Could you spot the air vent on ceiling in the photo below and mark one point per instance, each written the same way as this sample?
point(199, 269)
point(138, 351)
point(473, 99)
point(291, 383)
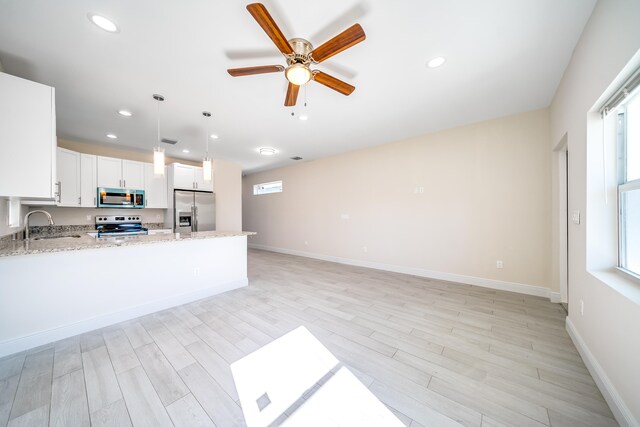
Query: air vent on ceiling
point(296, 158)
point(169, 141)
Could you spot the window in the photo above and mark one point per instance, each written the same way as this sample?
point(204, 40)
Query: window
point(629, 185)
point(267, 188)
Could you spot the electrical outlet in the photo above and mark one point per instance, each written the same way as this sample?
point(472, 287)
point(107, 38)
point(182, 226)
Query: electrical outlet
point(581, 308)
point(365, 249)
point(344, 216)
point(499, 264)
point(421, 190)
point(88, 217)
point(158, 217)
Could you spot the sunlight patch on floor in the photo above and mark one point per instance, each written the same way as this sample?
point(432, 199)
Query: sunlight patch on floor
point(275, 378)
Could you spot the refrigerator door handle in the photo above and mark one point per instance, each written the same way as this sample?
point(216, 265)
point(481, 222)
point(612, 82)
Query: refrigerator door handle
point(195, 218)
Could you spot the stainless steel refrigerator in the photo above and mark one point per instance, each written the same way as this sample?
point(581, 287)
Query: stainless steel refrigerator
point(194, 211)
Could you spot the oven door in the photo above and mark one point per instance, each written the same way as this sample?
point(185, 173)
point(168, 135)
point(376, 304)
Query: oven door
point(115, 198)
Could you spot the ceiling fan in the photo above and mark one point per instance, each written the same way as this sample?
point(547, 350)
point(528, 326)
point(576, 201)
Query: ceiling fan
point(300, 54)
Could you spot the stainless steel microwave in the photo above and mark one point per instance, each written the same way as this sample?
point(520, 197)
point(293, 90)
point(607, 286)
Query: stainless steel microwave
point(120, 198)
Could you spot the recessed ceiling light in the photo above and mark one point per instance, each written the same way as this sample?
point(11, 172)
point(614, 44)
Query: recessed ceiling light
point(267, 151)
point(304, 118)
point(436, 62)
point(185, 151)
point(102, 22)
point(214, 136)
point(112, 136)
point(125, 113)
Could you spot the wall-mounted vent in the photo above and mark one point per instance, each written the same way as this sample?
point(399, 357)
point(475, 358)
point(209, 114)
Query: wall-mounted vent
point(296, 158)
point(169, 141)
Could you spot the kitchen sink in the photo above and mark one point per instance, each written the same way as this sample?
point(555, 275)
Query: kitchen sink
point(74, 236)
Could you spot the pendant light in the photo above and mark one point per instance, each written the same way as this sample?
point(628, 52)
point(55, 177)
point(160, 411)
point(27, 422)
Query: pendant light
point(206, 162)
point(158, 151)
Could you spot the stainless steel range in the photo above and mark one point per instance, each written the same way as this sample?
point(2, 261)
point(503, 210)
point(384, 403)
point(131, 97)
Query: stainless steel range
point(119, 225)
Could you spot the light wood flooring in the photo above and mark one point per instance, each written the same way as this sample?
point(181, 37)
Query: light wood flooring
point(436, 353)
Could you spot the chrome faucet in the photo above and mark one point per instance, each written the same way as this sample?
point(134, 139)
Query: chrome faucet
point(26, 221)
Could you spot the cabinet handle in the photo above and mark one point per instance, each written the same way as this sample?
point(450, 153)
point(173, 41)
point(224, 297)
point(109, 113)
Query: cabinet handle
point(59, 191)
point(120, 183)
point(94, 201)
point(125, 183)
point(79, 200)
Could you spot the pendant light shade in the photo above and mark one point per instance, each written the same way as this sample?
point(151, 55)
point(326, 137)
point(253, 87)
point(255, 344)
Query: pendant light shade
point(158, 151)
point(158, 161)
point(207, 168)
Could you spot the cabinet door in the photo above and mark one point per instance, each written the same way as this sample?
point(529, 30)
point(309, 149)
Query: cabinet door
point(109, 172)
point(155, 188)
point(68, 171)
point(201, 184)
point(183, 177)
point(88, 180)
point(27, 138)
point(132, 175)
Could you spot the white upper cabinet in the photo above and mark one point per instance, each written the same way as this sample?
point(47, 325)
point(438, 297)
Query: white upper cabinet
point(183, 177)
point(186, 177)
point(109, 172)
point(132, 174)
point(201, 184)
point(155, 189)
point(118, 173)
point(27, 138)
point(88, 180)
point(68, 173)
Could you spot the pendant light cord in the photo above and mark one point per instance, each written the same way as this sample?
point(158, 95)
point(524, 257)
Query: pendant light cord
point(158, 118)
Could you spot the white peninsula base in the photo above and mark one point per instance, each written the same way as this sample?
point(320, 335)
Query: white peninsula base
point(46, 297)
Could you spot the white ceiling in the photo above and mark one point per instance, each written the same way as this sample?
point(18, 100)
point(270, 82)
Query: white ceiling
point(503, 57)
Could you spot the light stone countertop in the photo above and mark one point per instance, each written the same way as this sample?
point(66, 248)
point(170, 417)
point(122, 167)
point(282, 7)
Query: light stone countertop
point(21, 247)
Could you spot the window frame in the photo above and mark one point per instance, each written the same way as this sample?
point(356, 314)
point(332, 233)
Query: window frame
point(256, 188)
point(624, 186)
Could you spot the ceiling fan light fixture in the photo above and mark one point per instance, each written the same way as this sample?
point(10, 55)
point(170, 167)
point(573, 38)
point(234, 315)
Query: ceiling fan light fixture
point(298, 74)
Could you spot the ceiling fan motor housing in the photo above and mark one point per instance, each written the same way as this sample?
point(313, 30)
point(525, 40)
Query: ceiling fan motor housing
point(301, 49)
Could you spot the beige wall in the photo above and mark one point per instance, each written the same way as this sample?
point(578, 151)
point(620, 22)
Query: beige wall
point(486, 197)
point(609, 325)
point(228, 189)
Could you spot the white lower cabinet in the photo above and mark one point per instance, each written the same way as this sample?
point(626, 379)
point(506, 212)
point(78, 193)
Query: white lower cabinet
point(88, 180)
point(68, 177)
point(155, 188)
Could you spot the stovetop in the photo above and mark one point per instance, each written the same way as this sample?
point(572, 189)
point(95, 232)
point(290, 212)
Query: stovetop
point(119, 225)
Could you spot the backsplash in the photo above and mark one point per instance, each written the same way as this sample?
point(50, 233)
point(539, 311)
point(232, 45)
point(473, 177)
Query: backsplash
point(86, 216)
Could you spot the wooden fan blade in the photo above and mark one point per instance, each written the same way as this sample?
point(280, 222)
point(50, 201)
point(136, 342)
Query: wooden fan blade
point(349, 37)
point(333, 83)
point(247, 71)
point(292, 95)
point(262, 17)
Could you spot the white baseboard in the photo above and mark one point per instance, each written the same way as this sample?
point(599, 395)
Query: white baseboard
point(555, 297)
point(620, 410)
point(438, 275)
point(52, 335)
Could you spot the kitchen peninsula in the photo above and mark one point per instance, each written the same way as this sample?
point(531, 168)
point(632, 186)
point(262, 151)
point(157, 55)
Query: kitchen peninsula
point(55, 288)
